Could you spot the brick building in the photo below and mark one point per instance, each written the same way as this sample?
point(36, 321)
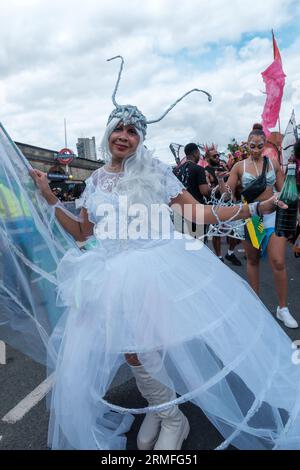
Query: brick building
point(44, 160)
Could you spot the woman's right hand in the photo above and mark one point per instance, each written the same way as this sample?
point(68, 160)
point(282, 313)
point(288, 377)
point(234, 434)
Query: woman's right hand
point(41, 180)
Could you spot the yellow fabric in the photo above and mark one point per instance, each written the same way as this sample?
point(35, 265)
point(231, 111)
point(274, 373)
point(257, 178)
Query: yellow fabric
point(252, 234)
point(10, 206)
point(252, 230)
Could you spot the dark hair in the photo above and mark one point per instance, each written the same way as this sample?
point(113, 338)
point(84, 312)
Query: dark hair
point(297, 149)
point(190, 148)
point(257, 129)
point(78, 190)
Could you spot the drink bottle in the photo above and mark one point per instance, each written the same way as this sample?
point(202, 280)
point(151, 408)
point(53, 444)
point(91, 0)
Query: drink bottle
point(58, 177)
point(286, 219)
point(297, 159)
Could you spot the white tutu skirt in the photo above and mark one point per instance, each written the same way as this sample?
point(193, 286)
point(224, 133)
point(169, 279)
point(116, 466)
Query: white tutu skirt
point(220, 346)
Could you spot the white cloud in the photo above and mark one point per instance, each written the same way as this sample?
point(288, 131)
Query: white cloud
point(53, 65)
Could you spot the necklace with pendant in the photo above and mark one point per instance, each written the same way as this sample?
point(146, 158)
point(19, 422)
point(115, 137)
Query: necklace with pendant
point(113, 169)
point(256, 169)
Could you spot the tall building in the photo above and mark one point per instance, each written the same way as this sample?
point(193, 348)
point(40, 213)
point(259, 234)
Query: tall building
point(86, 148)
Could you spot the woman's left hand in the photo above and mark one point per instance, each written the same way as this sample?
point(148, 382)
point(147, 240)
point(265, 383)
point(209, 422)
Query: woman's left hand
point(268, 206)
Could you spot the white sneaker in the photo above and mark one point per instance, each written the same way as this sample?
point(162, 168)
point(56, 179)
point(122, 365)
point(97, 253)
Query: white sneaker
point(284, 315)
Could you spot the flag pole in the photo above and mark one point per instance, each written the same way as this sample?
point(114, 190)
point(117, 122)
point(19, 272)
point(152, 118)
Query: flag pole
point(66, 142)
point(65, 125)
point(279, 124)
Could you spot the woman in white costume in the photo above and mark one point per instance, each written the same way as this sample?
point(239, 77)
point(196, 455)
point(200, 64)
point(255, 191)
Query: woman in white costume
point(142, 301)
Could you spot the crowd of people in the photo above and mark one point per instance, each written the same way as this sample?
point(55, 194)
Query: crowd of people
point(63, 196)
point(68, 192)
point(233, 176)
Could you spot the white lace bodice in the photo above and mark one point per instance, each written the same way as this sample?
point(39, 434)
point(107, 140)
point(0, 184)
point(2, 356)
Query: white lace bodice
point(113, 227)
point(106, 180)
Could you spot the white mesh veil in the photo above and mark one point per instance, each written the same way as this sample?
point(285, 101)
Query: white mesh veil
point(31, 245)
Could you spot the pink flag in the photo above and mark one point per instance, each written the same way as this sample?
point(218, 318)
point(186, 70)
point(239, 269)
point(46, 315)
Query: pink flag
point(276, 52)
point(274, 78)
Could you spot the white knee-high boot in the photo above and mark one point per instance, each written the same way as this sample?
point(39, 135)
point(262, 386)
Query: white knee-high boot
point(174, 429)
point(166, 429)
point(150, 428)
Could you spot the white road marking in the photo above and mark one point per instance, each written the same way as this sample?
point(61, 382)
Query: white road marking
point(25, 405)
point(0, 438)
point(2, 353)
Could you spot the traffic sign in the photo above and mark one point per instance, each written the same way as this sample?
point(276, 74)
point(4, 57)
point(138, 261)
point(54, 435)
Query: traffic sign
point(65, 156)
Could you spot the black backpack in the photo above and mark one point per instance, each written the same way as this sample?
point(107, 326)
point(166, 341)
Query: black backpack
point(181, 172)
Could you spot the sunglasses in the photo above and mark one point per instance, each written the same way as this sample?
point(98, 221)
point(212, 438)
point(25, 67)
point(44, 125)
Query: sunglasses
point(259, 146)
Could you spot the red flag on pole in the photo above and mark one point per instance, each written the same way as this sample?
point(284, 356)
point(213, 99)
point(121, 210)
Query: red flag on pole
point(274, 78)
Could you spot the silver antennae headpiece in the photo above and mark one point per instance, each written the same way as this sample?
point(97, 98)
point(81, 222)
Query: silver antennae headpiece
point(129, 114)
point(177, 101)
point(119, 78)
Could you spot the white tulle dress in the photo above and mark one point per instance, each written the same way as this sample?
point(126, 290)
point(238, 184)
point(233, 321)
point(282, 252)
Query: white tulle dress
point(221, 347)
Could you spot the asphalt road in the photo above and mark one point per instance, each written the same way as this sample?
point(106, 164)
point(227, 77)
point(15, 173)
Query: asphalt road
point(21, 375)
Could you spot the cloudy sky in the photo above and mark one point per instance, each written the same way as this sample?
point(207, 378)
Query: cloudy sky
point(53, 66)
